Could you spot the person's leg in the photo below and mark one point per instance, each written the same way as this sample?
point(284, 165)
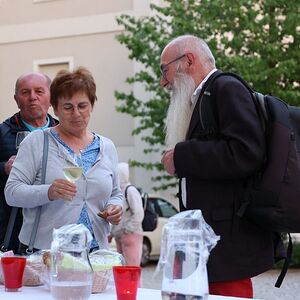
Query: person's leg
point(132, 246)
point(119, 245)
point(237, 288)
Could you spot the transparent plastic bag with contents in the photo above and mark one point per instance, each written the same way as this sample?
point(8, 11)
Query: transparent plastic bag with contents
point(186, 242)
point(71, 272)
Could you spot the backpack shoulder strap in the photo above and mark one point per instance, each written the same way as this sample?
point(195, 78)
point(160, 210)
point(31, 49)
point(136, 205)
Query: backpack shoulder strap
point(286, 264)
point(125, 194)
point(209, 118)
point(208, 103)
point(145, 198)
point(208, 108)
point(258, 98)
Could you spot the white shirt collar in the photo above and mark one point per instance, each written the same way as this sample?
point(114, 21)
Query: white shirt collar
point(199, 87)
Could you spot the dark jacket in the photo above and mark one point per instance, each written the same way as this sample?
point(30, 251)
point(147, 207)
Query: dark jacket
point(216, 170)
point(8, 131)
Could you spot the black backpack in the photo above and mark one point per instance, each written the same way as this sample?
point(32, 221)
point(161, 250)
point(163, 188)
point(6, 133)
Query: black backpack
point(272, 196)
point(150, 216)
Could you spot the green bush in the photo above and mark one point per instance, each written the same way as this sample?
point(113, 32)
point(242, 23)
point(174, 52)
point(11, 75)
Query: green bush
point(295, 261)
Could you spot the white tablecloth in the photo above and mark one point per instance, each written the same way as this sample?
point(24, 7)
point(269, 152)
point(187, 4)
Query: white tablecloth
point(42, 293)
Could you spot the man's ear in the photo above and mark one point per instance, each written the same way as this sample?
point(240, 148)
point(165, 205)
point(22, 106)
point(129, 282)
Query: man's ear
point(191, 61)
point(190, 58)
point(16, 99)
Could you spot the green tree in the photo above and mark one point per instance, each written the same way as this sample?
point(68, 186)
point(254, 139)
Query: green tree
point(257, 39)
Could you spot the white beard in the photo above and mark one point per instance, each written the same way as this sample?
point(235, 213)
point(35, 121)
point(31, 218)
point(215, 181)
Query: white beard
point(180, 110)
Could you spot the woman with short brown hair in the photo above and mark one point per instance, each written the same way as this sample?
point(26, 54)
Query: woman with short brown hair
point(73, 95)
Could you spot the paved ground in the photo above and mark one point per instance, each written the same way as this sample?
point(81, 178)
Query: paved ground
point(263, 284)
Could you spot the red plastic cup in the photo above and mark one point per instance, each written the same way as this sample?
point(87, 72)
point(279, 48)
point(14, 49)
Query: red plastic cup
point(127, 280)
point(13, 270)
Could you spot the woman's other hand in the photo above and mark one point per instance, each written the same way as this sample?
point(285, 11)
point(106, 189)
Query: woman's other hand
point(114, 214)
point(109, 238)
point(62, 189)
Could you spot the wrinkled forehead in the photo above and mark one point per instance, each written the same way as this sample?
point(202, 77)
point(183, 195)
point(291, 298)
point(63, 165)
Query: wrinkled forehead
point(168, 54)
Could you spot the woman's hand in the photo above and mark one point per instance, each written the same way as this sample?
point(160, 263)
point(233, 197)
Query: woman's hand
point(62, 189)
point(109, 238)
point(114, 214)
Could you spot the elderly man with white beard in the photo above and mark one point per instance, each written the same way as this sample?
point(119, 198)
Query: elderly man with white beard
point(213, 169)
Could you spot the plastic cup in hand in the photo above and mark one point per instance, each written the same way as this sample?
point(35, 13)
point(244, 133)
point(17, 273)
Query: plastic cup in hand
point(127, 280)
point(13, 270)
point(20, 137)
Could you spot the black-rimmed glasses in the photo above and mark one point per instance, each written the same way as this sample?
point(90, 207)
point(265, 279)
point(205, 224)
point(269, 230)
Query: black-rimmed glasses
point(163, 69)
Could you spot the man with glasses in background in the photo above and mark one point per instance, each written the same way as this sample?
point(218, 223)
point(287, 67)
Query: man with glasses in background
point(213, 167)
point(32, 96)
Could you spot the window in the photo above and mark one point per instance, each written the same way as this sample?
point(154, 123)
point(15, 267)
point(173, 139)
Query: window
point(164, 208)
point(51, 66)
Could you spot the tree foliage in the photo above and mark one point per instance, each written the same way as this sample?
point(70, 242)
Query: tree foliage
point(258, 39)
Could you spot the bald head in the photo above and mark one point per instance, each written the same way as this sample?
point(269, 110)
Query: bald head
point(192, 44)
point(32, 95)
point(185, 54)
point(37, 75)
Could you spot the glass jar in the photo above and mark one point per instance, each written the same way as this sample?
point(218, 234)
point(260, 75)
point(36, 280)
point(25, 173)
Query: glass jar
point(71, 271)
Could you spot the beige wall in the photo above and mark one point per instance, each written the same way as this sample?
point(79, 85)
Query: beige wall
point(108, 64)
point(27, 11)
point(81, 32)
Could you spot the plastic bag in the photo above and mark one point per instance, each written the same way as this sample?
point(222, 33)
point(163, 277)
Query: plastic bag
point(35, 270)
point(102, 262)
point(71, 237)
point(186, 242)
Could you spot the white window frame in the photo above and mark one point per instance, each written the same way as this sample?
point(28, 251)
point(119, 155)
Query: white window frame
point(37, 63)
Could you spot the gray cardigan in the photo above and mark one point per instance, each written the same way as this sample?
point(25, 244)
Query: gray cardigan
point(98, 188)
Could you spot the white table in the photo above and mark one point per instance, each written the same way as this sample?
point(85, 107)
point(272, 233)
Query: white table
point(43, 293)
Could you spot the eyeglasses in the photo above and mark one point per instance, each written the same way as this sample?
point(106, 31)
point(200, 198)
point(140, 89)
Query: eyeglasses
point(81, 107)
point(163, 69)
